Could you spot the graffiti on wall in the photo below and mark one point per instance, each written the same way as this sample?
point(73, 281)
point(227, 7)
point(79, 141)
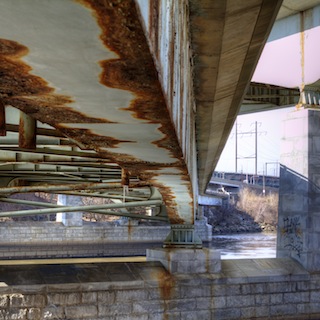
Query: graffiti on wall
point(291, 234)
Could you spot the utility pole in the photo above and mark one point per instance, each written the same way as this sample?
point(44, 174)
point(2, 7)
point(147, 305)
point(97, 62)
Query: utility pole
point(255, 132)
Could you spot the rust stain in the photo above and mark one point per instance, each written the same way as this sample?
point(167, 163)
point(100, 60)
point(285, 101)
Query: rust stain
point(3, 129)
point(134, 70)
point(31, 94)
point(90, 140)
point(129, 229)
point(167, 284)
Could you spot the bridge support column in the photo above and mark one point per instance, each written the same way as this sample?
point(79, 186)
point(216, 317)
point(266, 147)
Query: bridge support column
point(299, 194)
point(69, 219)
point(182, 252)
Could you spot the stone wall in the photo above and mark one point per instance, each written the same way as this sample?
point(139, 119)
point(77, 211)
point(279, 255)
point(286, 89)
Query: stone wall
point(146, 291)
point(20, 240)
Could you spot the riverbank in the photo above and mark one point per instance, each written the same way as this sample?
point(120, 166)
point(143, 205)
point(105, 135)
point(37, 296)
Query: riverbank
point(231, 220)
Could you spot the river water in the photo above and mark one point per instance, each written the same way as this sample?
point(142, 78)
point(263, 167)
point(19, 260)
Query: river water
point(246, 245)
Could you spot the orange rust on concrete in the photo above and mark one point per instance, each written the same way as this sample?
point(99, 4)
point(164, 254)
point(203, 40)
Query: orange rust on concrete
point(166, 284)
point(3, 130)
point(89, 139)
point(30, 93)
point(134, 70)
point(129, 229)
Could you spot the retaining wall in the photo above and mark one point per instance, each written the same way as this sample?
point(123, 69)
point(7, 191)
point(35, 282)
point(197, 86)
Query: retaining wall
point(146, 291)
point(26, 240)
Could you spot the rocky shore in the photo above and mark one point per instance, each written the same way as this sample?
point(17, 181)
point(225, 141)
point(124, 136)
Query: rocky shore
point(231, 220)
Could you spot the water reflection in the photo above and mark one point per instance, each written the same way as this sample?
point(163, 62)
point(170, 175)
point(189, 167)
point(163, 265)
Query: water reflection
point(245, 246)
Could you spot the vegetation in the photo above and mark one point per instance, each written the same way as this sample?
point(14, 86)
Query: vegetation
point(252, 212)
point(262, 208)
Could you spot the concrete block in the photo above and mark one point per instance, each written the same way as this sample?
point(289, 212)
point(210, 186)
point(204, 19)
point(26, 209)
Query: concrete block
point(34, 314)
point(65, 299)
point(187, 260)
point(219, 302)
point(276, 298)
point(34, 300)
point(89, 297)
point(185, 304)
point(240, 301)
point(196, 315)
point(145, 307)
point(194, 292)
point(203, 303)
point(296, 297)
point(115, 309)
point(262, 299)
point(134, 317)
point(283, 310)
point(315, 296)
point(15, 313)
point(16, 300)
point(81, 312)
point(4, 301)
point(131, 295)
point(232, 290)
point(227, 314)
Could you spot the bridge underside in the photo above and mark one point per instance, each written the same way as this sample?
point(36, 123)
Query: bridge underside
point(84, 105)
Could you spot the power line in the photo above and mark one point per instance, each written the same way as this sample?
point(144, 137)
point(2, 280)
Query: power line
point(255, 133)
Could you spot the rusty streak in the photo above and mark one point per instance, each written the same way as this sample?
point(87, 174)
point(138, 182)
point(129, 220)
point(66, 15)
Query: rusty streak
point(3, 130)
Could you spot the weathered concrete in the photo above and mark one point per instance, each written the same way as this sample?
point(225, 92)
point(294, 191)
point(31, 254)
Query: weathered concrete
point(188, 261)
point(69, 219)
point(245, 289)
point(299, 219)
point(20, 240)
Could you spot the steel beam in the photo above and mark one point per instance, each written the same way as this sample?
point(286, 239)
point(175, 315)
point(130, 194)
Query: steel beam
point(104, 212)
point(91, 208)
point(63, 187)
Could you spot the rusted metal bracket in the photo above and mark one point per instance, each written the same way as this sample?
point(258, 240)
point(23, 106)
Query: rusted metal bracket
point(27, 131)
point(182, 236)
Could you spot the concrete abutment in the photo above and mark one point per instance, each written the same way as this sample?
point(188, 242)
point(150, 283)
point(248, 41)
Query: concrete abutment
point(299, 204)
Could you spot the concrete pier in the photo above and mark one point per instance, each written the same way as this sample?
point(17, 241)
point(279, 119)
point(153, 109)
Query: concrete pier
point(69, 219)
point(299, 194)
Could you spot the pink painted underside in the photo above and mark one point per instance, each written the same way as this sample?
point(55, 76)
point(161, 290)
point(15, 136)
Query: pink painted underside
point(281, 62)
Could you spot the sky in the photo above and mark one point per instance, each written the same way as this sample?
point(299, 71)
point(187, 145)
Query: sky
point(269, 134)
point(288, 60)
